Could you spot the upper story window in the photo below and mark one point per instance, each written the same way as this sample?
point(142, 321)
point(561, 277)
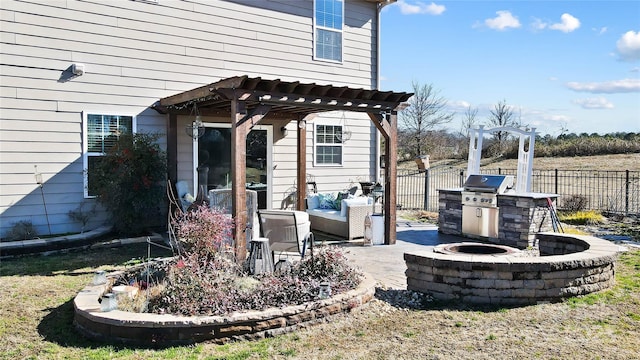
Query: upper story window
point(329, 21)
point(101, 133)
point(328, 144)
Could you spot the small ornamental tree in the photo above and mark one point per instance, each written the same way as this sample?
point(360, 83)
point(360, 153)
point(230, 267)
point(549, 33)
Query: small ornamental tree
point(130, 182)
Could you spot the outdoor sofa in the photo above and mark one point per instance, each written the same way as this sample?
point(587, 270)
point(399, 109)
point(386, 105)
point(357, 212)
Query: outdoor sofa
point(344, 219)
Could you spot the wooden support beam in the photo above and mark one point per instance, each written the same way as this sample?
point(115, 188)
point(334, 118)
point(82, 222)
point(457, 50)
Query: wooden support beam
point(172, 148)
point(390, 186)
point(240, 127)
point(387, 125)
point(302, 165)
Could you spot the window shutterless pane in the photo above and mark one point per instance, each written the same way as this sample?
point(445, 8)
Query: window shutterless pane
point(94, 133)
point(329, 155)
point(329, 44)
point(92, 161)
point(329, 20)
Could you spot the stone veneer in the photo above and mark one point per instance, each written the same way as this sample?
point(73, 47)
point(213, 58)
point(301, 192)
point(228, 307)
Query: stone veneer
point(570, 265)
point(520, 217)
point(166, 330)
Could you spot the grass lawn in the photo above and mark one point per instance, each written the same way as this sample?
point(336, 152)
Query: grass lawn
point(36, 312)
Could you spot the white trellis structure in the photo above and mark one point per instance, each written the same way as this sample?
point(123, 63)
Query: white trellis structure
point(525, 156)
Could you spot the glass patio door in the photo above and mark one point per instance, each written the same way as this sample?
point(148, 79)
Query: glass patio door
point(213, 159)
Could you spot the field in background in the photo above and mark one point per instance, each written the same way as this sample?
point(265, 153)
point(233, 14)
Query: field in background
point(600, 162)
point(611, 183)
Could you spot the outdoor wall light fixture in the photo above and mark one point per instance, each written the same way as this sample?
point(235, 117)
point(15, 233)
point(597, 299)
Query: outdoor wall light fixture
point(284, 131)
point(77, 69)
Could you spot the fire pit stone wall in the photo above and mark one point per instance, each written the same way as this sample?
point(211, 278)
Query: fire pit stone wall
point(582, 265)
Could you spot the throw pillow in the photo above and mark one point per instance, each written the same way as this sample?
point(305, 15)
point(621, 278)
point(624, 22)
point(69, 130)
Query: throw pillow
point(326, 201)
point(337, 204)
point(313, 201)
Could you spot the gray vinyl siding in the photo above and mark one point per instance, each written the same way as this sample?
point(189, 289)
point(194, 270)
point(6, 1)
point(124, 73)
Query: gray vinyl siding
point(135, 53)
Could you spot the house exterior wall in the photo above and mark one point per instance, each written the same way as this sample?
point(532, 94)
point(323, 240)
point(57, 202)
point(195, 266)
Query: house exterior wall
point(136, 52)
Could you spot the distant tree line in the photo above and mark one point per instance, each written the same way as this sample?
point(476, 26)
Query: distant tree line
point(421, 132)
point(567, 145)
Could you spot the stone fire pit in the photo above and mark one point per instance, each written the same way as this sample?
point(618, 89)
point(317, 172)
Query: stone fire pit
point(569, 265)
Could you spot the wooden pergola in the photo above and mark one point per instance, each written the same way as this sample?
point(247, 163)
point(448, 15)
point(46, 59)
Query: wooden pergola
point(248, 101)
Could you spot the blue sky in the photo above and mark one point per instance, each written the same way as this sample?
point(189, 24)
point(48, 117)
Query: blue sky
point(571, 65)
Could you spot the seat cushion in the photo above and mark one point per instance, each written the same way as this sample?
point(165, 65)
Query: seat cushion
point(360, 200)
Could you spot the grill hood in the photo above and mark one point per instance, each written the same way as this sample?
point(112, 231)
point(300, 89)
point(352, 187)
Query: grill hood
point(496, 184)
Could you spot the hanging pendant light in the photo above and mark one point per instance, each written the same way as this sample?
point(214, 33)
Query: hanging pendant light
point(196, 129)
point(345, 135)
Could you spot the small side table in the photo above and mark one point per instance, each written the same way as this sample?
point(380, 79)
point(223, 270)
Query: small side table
point(260, 258)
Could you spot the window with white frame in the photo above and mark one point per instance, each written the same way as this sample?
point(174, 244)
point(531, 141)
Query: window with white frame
point(329, 21)
point(101, 133)
point(328, 144)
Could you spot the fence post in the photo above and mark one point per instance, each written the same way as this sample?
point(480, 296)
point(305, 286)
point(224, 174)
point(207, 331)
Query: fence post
point(626, 194)
point(461, 178)
point(426, 190)
point(556, 182)
point(499, 171)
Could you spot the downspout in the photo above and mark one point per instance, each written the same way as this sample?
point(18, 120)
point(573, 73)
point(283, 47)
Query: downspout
point(380, 5)
point(378, 150)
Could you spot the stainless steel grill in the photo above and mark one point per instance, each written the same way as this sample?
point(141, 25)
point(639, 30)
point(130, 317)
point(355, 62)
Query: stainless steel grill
point(482, 190)
point(480, 203)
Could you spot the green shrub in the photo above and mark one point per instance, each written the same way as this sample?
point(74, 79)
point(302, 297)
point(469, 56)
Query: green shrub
point(130, 182)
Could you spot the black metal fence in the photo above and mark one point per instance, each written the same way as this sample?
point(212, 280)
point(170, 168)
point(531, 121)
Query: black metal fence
point(606, 191)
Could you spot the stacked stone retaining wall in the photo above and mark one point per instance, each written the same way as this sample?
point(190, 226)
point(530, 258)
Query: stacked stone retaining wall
point(166, 330)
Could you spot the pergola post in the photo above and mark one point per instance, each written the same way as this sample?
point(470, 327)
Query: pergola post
point(390, 179)
point(386, 123)
point(239, 131)
point(301, 180)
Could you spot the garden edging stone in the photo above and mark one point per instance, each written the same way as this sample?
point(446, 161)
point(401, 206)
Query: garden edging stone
point(167, 329)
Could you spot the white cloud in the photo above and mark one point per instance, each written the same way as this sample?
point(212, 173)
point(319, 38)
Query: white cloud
point(458, 105)
point(635, 69)
point(420, 8)
point(594, 103)
point(600, 31)
point(628, 46)
point(538, 24)
point(608, 87)
point(567, 23)
point(503, 21)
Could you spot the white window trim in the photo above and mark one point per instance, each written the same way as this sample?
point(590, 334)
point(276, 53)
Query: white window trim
point(316, 144)
point(315, 34)
point(85, 144)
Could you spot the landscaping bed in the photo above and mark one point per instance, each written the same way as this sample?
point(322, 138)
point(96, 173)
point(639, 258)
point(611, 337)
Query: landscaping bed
point(36, 321)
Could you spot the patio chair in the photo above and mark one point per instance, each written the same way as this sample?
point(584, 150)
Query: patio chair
point(221, 199)
point(288, 231)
